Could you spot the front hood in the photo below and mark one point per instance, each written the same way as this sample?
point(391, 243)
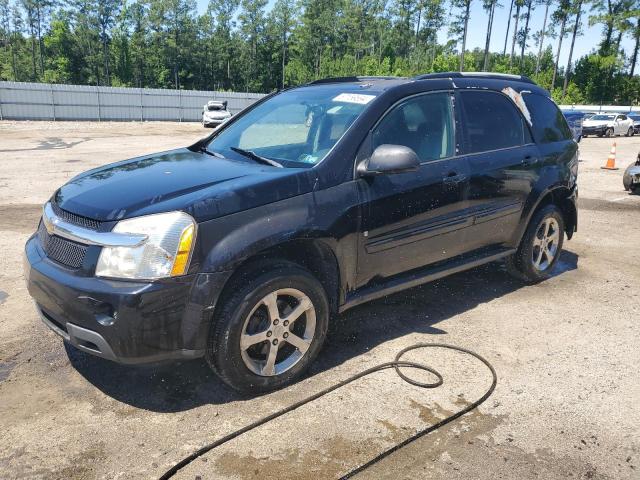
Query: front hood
point(204, 186)
point(596, 123)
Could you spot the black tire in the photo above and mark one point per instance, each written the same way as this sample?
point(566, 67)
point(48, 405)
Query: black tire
point(630, 132)
point(608, 133)
point(224, 353)
point(522, 264)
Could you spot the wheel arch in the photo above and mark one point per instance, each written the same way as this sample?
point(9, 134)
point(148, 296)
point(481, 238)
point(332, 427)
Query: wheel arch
point(312, 254)
point(560, 196)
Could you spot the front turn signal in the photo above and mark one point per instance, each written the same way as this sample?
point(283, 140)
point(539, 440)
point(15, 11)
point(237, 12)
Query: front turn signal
point(181, 261)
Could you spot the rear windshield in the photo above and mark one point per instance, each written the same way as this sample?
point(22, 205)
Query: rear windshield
point(296, 128)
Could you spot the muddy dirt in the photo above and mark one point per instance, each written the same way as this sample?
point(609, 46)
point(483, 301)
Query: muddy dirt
point(566, 353)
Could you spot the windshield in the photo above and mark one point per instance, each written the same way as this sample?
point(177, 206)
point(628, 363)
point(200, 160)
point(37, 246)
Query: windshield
point(602, 117)
point(296, 128)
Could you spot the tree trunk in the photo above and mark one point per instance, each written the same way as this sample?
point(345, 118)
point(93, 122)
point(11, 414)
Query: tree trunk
point(40, 41)
point(555, 64)
point(526, 34)
point(506, 35)
point(618, 40)
point(573, 41)
point(515, 36)
point(634, 57)
point(606, 44)
point(485, 66)
point(105, 57)
point(542, 35)
point(33, 57)
point(418, 26)
point(284, 53)
point(464, 35)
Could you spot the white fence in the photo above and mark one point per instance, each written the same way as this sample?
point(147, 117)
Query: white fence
point(602, 108)
point(43, 101)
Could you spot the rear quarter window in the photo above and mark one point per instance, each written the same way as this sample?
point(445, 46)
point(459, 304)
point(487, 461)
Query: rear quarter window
point(549, 124)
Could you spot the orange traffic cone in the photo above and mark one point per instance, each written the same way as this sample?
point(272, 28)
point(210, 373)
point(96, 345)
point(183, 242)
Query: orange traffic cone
point(611, 161)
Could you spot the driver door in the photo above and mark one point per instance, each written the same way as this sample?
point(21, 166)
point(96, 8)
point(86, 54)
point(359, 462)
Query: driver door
point(414, 218)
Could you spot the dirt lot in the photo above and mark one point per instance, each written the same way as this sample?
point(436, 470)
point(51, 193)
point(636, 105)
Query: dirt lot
point(566, 353)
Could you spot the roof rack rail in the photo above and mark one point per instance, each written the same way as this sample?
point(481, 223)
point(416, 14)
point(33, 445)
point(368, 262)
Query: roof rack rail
point(488, 75)
point(352, 79)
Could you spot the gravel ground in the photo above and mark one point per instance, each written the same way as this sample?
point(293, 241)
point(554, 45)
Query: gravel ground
point(566, 353)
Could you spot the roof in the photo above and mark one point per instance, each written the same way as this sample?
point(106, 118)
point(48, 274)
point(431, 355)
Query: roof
point(385, 82)
point(483, 75)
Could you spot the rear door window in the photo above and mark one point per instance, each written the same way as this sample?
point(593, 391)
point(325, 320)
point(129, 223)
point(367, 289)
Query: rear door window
point(548, 123)
point(491, 122)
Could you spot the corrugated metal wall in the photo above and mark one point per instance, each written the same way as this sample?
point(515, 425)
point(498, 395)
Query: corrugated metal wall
point(43, 101)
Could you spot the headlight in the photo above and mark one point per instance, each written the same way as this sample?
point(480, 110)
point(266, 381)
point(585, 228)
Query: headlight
point(166, 252)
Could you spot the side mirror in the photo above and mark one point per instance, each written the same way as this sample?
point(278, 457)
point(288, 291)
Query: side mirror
point(388, 159)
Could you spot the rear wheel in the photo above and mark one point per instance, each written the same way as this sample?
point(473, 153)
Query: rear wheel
point(630, 132)
point(267, 333)
point(540, 247)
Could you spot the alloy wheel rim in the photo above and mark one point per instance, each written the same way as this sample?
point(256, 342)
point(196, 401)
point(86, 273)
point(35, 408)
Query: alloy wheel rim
point(545, 244)
point(278, 332)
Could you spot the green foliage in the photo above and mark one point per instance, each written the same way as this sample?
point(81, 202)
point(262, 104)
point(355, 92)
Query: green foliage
point(262, 45)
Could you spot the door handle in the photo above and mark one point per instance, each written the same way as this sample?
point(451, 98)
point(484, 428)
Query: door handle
point(529, 160)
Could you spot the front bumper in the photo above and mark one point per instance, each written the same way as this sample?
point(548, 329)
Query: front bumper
point(123, 321)
point(593, 130)
point(213, 122)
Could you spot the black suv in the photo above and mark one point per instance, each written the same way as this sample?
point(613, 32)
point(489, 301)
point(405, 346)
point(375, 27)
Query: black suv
point(315, 199)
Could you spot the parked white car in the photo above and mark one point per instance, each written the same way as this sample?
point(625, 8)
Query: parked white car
point(608, 125)
point(215, 113)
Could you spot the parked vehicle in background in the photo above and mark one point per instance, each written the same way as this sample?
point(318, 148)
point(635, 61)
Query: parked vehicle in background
point(631, 177)
point(635, 117)
point(242, 247)
point(608, 125)
point(575, 118)
point(215, 113)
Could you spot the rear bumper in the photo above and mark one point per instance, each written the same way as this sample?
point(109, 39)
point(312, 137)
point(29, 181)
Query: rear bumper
point(634, 176)
point(127, 322)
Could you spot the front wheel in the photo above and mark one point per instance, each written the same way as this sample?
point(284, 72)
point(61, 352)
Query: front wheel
point(267, 333)
point(608, 133)
point(540, 247)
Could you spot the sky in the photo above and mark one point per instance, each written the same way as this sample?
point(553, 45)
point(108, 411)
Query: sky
point(478, 27)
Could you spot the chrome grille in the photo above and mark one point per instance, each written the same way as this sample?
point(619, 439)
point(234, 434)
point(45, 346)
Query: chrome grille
point(61, 250)
point(75, 219)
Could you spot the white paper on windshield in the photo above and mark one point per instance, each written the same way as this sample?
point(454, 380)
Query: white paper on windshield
point(358, 98)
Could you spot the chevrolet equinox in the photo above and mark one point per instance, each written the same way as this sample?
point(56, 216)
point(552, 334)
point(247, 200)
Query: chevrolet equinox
point(241, 247)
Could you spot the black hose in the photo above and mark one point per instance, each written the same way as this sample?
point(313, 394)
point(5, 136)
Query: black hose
point(396, 364)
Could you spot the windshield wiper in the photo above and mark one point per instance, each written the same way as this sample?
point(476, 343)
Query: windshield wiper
point(256, 157)
point(204, 149)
